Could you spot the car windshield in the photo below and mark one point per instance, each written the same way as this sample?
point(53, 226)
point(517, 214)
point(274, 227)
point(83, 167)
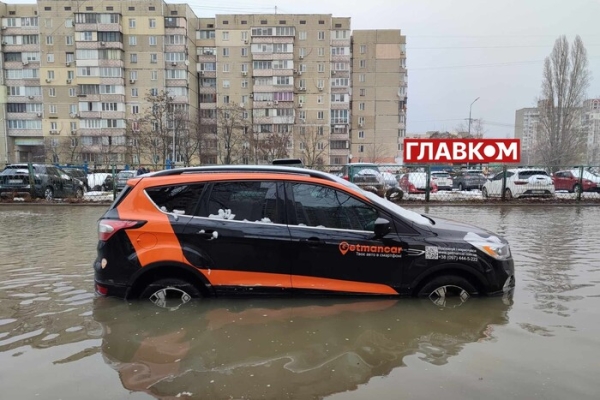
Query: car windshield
point(402, 212)
point(125, 174)
point(366, 169)
point(440, 174)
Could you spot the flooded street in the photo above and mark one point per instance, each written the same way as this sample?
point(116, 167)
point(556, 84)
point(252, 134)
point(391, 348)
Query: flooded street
point(58, 341)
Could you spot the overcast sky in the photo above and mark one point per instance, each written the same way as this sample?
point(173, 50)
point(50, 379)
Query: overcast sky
point(459, 50)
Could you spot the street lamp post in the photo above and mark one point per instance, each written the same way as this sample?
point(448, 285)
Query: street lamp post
point(470, 108)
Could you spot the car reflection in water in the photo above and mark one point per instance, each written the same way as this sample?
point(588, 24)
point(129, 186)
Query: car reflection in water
point(273, 348)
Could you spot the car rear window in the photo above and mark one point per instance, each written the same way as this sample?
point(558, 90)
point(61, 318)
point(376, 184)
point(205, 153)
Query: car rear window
point(527, 174)
point(177, 199)
point(441, 174)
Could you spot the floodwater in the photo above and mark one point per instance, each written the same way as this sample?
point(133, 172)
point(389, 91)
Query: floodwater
point(58, 341)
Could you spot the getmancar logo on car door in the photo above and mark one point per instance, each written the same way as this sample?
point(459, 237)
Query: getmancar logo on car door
point(229, 230)
point(370, 251)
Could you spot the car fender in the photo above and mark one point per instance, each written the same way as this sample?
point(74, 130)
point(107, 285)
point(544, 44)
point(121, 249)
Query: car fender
point(448, 269)
point(163, 269)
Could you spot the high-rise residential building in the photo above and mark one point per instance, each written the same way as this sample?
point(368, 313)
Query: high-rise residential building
point(145, 81)
point(77, 76)
point(526, 125)
point(590, 122)
point(379, 95)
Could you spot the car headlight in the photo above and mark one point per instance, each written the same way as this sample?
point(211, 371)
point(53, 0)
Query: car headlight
point(491, 245)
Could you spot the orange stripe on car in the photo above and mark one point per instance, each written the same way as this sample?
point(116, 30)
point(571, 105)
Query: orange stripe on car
point(250, 279)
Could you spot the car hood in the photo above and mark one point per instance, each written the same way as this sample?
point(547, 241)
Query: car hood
point(446, 227)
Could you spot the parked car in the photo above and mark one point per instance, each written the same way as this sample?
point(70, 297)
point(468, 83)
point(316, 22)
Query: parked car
point(469, 179)
point(369, 177)
point(590, 175)
point(415, 183)
point(567, 180)
point(78, 173)
point(123, 177)
point(210, 231)
point(443, 180)
point(101, 181)
point(49, 182)
point(520, 182)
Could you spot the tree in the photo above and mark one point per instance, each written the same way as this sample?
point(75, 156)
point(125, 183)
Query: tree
point(232, 133)
point(559, 140)
point(477, 129)
point(62, 149)
point(313, 144)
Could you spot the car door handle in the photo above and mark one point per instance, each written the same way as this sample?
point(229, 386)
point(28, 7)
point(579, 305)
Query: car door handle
point(207, 235)
point(313, 241)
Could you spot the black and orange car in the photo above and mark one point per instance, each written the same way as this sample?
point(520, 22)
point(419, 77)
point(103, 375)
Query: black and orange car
point(210, 231)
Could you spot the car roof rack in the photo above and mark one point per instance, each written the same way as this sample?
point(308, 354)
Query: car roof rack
point(245, 168)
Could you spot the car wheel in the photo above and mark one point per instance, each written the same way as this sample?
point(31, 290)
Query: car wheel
point(508, 194)
point(461, 187)
point(484, 192)
point(576, 188)
point(394, 194)
point(448, 290)
point(170, 293)
point(79, 193)
point(49, 193)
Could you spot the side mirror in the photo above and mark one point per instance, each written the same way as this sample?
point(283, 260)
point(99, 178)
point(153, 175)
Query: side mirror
point(382, 227)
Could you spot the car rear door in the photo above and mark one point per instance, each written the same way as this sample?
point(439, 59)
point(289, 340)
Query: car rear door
point(333, 244)
point(239, 237)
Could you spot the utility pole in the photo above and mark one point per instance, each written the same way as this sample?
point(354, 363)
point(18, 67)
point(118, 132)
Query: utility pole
point(470, 108)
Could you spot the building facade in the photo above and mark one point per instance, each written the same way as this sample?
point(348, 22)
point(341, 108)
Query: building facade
point(145, 81)
point(526, 121)
point(590, 121)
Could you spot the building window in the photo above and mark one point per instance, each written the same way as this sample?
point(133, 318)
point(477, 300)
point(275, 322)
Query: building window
point(68, 22)
point(153, 58)
point(321, 22)
point(226, 99)
point(361, 121)
point(153, 75)
point(225, 51)
point(302, 35)
point(49, 40)
point(363, 92)
point(135, 109)
point(319, 99)
point(152, 40)
point(321, 67)
point(226, 67)
point(132, 23)
point(69, 40)
point(361, 148)
point(321, 51)
point(361, 134)
point(361, 77)
point(133, 57)
point(363, 48)
point(321, 35)
point(152, 23)
point(361, 106)
point(50, 75)
point(70, 75)
point(134, 92)
point(225, 35)
point(52, 109)
point(132, 40)
point(72, 92)
point(320, 115)
point(244, 52)
point(363, 64)
point(52, 92)
point(50, 57)
point(226, 84)
point(225, 22)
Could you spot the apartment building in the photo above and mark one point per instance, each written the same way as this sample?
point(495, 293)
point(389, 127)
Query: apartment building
point(76, 77)
point(590, 122)
point(379, 98)
point(86, 82)
point(526, 121)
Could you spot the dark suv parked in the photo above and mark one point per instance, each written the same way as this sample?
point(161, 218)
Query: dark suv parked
point(49, 181)
point(219, 230)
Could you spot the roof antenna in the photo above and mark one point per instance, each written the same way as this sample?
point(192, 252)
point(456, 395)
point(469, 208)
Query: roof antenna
point(275, 10)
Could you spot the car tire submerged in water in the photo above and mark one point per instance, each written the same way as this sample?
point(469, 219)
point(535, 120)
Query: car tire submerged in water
point(394, 194)
point(577, 188)
point(484, 193)
point(508, 194)
point(170, 292)
point(442, 288)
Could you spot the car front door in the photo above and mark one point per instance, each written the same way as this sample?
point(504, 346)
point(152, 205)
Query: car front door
point(239, 237)
point(334, 248)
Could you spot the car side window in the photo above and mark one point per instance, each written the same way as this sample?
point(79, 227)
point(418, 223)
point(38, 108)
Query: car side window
point(252, 201)
point(176, 199)
point(320, 206)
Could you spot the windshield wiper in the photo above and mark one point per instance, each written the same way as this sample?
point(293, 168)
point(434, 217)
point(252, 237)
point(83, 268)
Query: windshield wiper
point(429, 218)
